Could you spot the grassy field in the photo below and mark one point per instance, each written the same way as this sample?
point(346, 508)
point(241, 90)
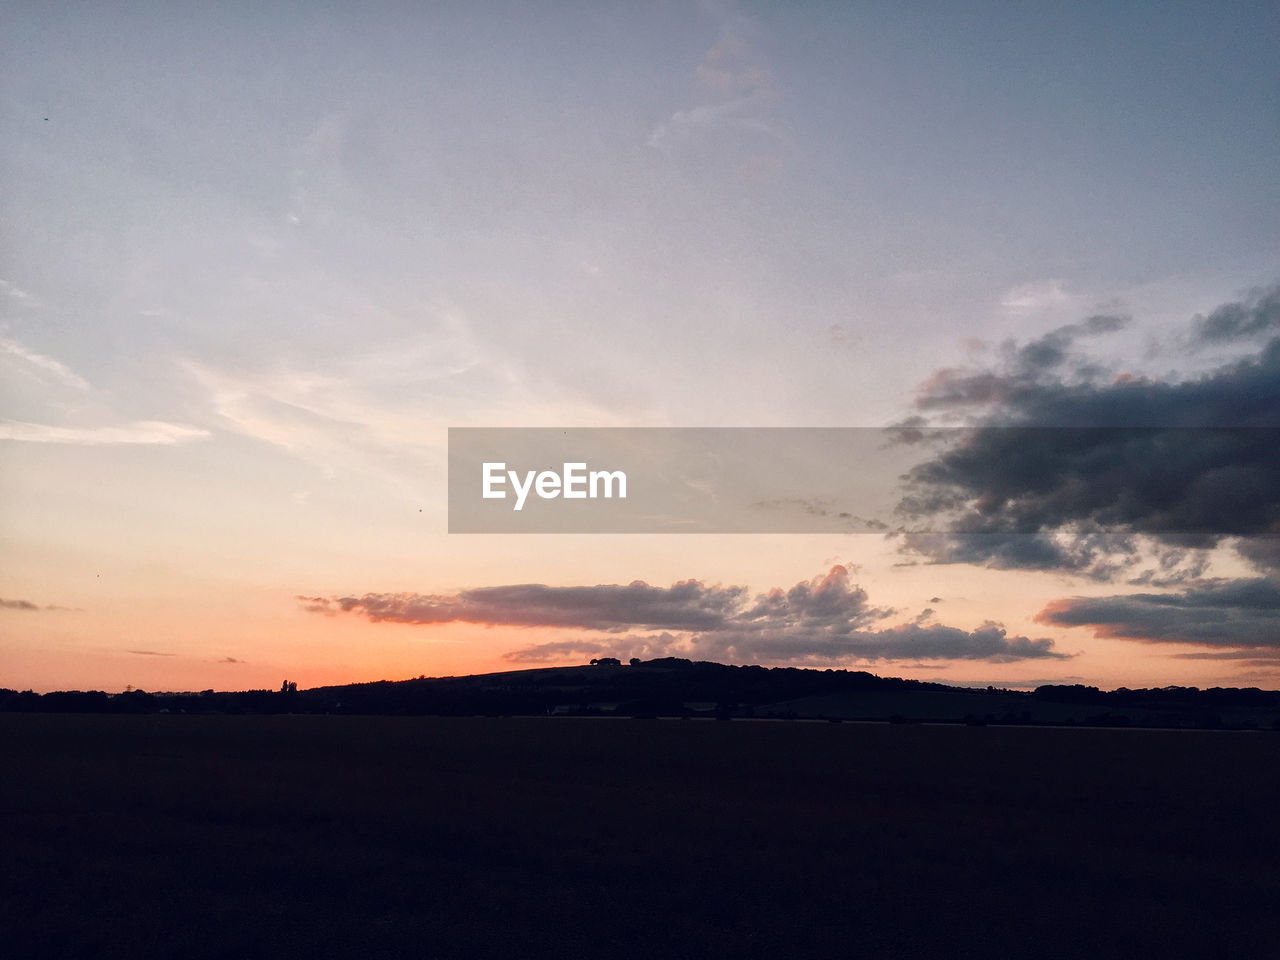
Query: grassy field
point(291, 836)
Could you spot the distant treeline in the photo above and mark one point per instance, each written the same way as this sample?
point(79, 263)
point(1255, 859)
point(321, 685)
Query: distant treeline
point(655, 685)
point(1150, 696)
point(675, 687)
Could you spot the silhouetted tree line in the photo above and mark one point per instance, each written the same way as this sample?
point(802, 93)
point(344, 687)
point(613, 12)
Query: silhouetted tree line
point(139, 701)
point(1159, 696)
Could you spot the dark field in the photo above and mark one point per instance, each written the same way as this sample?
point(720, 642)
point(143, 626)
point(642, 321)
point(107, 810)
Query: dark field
point(290, 836)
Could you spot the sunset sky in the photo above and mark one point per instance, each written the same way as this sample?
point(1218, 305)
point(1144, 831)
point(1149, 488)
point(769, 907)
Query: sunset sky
point(257, 259)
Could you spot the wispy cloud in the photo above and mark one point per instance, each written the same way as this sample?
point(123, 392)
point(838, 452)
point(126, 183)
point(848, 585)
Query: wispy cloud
point(135, 432)
point(736, 96)
point(1035, 297)
point(151, 653)
point(28, 605)
point(318, 181)
point(44, 365)
point(1253, 656)
point(379, 409)
point(14, 292)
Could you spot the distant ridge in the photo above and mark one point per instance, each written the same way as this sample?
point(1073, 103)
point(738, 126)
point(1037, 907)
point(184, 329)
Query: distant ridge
point(675, 687)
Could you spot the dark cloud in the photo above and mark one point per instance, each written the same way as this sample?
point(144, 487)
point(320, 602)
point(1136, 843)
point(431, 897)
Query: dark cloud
point(1236, 321)
point(150, 653)
point(1022, 367)
point(1097, 556)
point(1213, 481)
point(1053, 350)
point(915, 429)
point(688, 605)
point(1025, 389)
point(1261, 551)
point(1063, 469)
point(1252, 655)
point(28, 605)
point(1226, 613)
point(823, 620)
point(230, 660)
point(565, 649)
point(316, 604)
point(830, 605)
point(910, 642)
point(1066, 469)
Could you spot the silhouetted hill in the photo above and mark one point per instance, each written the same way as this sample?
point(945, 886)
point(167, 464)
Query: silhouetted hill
point(674, 687)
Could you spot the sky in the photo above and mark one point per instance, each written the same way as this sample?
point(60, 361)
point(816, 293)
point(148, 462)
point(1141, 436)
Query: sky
point(257, 259)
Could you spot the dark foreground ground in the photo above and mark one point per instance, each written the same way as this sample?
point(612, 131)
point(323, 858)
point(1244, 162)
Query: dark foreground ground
point(292, 836)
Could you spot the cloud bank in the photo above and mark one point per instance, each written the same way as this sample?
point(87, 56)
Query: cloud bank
point(1070, 466)
point(823, 620)
point(1065, 463)
point(1232, 613)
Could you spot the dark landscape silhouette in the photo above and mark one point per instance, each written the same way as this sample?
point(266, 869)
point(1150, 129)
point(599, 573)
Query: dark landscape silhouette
point(295, 836)
point(676, 687)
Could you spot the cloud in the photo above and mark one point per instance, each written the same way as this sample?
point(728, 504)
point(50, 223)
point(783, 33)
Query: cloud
point(319, 183)
point(823, 620)
point(44, 365)
point(28, 605)
point(1229, 613)
point(1064, 465)
point(688, 605)
point(353, 416)
point(1010, 490)
point(910, 641)
point(1239, 394)
point(1051, 351)
point(821, 507)
point(568, 649)
point(1261, 551)
point(230, 660)
point(17, 293)
point(136, 432)
point(736, 96)
point(1021, 370)
point(1034, 297)
point(1235, 321)
point(150, 653)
